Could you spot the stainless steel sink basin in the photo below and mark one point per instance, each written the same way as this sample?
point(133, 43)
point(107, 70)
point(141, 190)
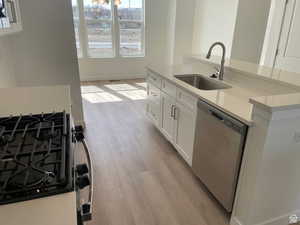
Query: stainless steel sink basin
point(202, 82)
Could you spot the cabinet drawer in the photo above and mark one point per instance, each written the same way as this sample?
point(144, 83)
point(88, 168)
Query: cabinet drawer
point(186, 99)
point(169, 88)
point(154, 79)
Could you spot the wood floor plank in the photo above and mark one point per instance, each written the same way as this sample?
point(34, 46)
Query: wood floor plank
point(139, 177)
point(157, 198)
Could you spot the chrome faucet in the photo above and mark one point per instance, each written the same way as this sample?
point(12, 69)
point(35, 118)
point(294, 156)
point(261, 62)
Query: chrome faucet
point(221, 73)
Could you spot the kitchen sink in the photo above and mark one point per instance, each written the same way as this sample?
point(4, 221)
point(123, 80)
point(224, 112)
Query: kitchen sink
point(202, 82)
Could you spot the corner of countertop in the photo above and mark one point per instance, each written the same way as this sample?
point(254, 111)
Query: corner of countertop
point(277, 102)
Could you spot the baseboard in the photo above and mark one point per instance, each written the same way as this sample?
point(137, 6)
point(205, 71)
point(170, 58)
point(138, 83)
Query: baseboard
point(111, 77)
point(280, 220)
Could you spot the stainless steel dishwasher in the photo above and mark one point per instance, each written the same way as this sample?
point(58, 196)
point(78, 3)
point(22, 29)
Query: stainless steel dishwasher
point(219, 145)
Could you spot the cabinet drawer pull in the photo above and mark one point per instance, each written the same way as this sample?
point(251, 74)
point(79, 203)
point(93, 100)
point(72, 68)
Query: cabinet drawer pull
point(172, 111)
point(153, 94)
point(175, 113)
point(153, 78)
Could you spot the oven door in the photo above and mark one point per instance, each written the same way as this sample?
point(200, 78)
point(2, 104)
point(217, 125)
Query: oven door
point(83, 178)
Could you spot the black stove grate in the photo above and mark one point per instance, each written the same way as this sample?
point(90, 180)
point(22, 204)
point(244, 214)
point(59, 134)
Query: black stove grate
point(34, 156)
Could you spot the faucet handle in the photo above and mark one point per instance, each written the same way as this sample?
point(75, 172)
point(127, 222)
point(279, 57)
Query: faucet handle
point(217, 69)
point(217, 73)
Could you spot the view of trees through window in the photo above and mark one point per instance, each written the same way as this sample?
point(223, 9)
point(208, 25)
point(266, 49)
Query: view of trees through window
point(109, 31)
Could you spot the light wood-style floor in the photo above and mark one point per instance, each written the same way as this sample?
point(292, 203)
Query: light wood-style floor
point(139, 177)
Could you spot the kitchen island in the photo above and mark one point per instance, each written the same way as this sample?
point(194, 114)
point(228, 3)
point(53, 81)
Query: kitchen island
point(268, 105)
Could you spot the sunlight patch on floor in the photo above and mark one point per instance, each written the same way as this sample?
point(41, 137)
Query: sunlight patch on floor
point(102, 97)
point(90, 89)
point(120, 87)
point(134, 94)
point(114, 92)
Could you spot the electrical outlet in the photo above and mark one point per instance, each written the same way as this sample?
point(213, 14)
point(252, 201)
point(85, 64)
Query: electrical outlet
point(293, 219)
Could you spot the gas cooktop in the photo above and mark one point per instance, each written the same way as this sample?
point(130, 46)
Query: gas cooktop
point(36, 159)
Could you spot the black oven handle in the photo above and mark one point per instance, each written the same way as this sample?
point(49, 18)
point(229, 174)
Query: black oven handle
point(85, 212)
point(90, 166)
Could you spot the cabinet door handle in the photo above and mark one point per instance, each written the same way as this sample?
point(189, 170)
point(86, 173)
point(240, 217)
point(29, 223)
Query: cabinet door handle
point(175, 113)
point(172, 111)
point(153, 78)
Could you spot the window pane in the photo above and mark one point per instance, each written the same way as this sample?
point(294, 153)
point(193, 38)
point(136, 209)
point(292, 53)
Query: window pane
point(98, 17)
point(4, 20)
point(131, 36)
point(76, 26)
point(99, 39)
point(96, 10)
point(131, 10)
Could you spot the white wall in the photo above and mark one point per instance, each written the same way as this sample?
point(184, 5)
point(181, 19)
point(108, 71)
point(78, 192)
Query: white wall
point(214, 21)
point(44, 53)
point(7, 76)
point(239, 24)
point(183, 29)
point(250, 29)
point(160, 28)
point(112, 69)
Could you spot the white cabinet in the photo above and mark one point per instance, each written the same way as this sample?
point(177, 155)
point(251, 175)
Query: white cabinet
point(10, 17)
point(153, 103)
point(184, 131)
point(173, 111)
point(168, 105)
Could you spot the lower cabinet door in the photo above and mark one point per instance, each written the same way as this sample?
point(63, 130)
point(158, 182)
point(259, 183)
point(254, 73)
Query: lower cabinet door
point(168, 123)
point(185, 132)
point(154, 112)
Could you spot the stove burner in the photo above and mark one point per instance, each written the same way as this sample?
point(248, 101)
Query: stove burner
point(31, 177)
point(45, 130)
point(35, 156)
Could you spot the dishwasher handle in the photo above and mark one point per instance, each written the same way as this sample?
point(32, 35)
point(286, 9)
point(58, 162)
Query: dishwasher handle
point(219, 117)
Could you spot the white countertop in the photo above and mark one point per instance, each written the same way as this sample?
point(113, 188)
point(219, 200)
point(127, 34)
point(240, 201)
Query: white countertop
point(271, 103)
point(234, 101)
point(252, 69)
point(56, 209)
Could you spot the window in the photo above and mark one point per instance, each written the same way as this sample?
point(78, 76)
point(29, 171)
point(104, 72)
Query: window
point(4, 20)
point(109, 28)
point(10, 20)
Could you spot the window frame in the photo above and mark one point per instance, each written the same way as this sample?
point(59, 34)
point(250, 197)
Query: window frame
point(115, 32)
